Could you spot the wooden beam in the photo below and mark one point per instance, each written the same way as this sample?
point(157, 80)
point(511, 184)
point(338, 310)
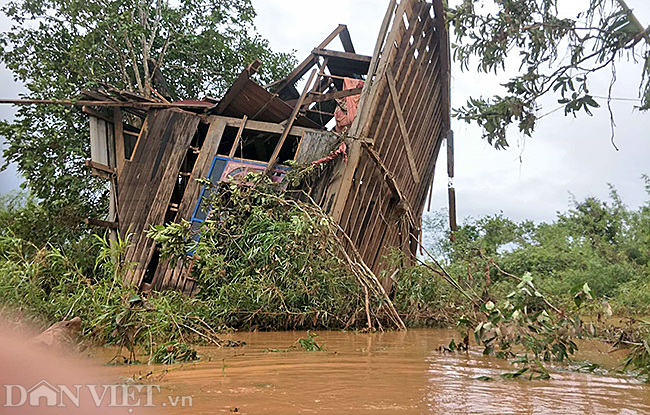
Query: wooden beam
point(101, 223)
point(97, 114)
point(118, 130)
point(389, 177)
point(342, 55)
point(332, 36)
point(332, 96)
point(452, 209)
point(402, 125)
point(311, 60)
point(238, 137)
point(450, 154)
point(321, 72)
point(445, 61)
point(287, 129)
point(120, 104)
point(297, 73)
point(347, 173)
point(346, 40)
point(451, 191)
point(267, 127)
point(101, 167)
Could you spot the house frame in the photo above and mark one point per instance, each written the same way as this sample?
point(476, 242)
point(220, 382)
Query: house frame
point(153, 151)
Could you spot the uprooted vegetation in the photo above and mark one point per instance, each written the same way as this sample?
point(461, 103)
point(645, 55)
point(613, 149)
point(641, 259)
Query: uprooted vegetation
point(271, 262)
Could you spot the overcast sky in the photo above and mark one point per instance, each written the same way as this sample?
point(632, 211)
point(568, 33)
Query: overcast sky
point(531, 180)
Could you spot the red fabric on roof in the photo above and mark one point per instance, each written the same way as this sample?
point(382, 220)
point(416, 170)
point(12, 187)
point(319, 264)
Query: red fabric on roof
point(346, 109)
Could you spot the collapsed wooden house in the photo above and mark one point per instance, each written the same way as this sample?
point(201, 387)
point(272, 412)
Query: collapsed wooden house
point(377, 192)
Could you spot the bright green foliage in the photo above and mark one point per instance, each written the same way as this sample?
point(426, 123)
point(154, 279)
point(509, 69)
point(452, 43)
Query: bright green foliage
point(23, 217)
point(309, 343)
point(557, 54)
point(173, 352)
point(639, 357)
point(59, 47)
point(44, 285)
point(268, 262)
point(424, 299)
point(604, 244)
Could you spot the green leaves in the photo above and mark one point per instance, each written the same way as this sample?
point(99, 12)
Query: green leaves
point(581, 293)
point(269, 261)
point(309, 343)
point(556, 56)
point(59, 47)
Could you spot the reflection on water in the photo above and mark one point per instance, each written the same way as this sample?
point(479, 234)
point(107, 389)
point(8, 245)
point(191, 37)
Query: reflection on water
point(383, 373)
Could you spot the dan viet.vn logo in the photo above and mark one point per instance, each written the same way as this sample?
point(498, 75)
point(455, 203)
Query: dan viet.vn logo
point(44, 394)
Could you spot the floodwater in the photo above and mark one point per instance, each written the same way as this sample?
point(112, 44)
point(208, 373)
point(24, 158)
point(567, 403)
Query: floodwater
point(382, 373)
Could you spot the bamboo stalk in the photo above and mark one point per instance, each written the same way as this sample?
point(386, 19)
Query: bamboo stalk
point(121, 104)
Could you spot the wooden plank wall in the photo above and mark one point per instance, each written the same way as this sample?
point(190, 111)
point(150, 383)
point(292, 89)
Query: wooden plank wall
point(388, 182)
point(167, 277)
point(146, 184)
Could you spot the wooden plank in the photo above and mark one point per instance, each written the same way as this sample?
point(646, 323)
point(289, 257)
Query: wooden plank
point(382, 129)
point(112, 104)
point(287, 129)
point(201, 169)
point(238, 137)
point(376, 55)
point(101, 223)
point(297, 73)
point(345, 192)
point(319, 79)
point(450, 154)
point(266, 127)
point(141, 181)
point(445, 58)
point(452, 209)
point(99, 166)
point(332, 96)
point(342, 55)
point(95, 113)
point(405, 56)
point(388, 176)
point(311, 60)
point(386, 60)
point(402, 125)
point(237, 86)
point(120, 154)
point(183, 130)
point(336, 32)
point(346, 40)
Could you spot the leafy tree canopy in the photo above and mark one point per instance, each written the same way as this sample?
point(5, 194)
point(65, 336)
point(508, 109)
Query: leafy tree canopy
point(557, 56)
point(59, 47)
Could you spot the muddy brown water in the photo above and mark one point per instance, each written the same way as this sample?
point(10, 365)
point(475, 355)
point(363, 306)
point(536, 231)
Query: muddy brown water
point(381, 373)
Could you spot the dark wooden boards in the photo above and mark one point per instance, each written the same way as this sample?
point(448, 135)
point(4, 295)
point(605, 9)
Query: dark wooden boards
point(402, 119)
point(148, 180)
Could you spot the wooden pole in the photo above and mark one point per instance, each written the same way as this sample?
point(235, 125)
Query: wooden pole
point(118, 130)
point(274, 158)
point(453, 224)
point(120, 104)
point(238, 138)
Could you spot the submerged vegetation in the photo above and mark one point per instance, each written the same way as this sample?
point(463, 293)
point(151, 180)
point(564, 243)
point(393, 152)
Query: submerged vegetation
point(521, 291)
